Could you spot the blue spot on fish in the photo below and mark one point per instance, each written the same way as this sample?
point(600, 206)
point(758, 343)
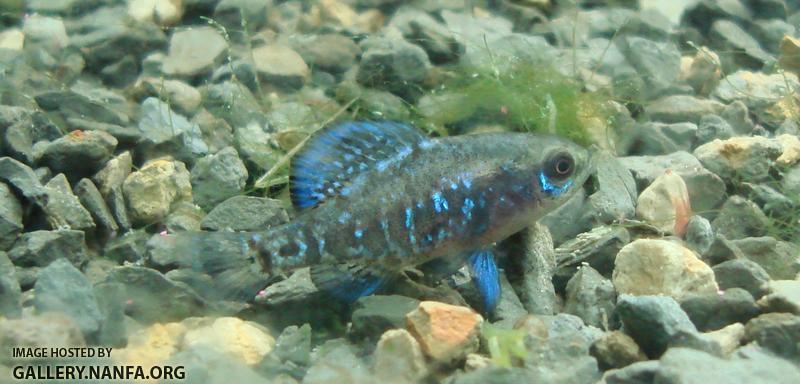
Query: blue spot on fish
point(467, 208)
point(439, 202)
point(358, 233)
point(551, 189)
point(453, 186)
point(344, 217)
point(409, 218)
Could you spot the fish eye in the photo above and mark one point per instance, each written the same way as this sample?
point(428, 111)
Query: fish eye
point(560, 165)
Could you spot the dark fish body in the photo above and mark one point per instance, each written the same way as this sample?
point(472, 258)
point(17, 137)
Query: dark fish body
point(383, 197)
point(445, 197)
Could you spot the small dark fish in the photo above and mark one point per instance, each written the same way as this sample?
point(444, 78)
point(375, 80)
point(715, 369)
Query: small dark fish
point(380, 197)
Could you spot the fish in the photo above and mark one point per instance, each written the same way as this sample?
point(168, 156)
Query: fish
point(376, 198)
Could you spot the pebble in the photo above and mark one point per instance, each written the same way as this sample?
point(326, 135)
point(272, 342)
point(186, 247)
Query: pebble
point(712, 311)
point(782, 296)
point(658, 63)
point(151, 345)
point(10, 217)
point(162, 12)
point(729, 338)
point(281, 66)
point(591, 297)
point(682, 365)
point(703, 71)
point(740, 218)
point(71, 104)
point(199, 360)
point(650, 266)
point(245, 341)
point(598, 247)
point(40, 248)
point(713, 127)
point(446, 333)
point(538, 264)
point(399, 358)
point(615, 195)
point(563, 356)
point(639, 372)
point(294, 345)
point(422, 29)
point(777, 332)
point(9, 289)
point(699, 234)
point(46, 330)
point(336, 362)
point(652, 321)
point(329, 52)
point(183, 97)
point(763, 96)
point(12, 39)
point(150, 297)
point(682, 108)
point(184, 217)
point(194, 51)
point(46, 32)
point(616, 350)
point(165, 132)
point(706, 190)
point(218, 177)
point(60, 287)
point(152, 190)
point(373, 315)
point(114, 173)
point(736, 46)
point(665, 204)
point(789, 57)
point(392, 65)
point(655, 138)
point(245, 213)
point(747, 158)
point(93, 201)
point(742, 273)
point(64, 209)
point(778, 258)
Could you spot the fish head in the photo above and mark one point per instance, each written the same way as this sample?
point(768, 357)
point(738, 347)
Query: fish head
point(557, 167)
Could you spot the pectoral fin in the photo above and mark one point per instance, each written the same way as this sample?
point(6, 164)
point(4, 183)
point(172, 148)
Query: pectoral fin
point(348, 281)
point(485, 277)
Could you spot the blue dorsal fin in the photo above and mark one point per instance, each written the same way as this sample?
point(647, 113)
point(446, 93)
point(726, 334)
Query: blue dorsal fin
point(338, 154)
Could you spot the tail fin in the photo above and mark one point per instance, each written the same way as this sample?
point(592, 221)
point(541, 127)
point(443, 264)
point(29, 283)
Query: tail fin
point(230, 258)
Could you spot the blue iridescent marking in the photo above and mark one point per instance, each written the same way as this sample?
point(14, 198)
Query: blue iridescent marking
point(302, 246)
point(467, 183)
point(439, 202)
point(467, 208)
point(442, 234)
point(429, 238)
point(344, 217)
point(409, 218)
point(358, 233)
point(551, 189)
point(453, 186)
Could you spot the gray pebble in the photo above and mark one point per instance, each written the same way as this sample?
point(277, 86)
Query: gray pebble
point(713, 311)
point(40, 248)
point(742, 273)
point(652, 321)
point(61, 287)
